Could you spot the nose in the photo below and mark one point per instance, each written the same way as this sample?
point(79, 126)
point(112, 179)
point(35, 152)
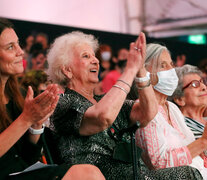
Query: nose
point(203, 86)
point(95, 60)
point(20, 52)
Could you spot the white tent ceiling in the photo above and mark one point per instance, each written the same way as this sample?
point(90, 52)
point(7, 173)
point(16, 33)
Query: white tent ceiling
point(165, 18)
point(159, 18)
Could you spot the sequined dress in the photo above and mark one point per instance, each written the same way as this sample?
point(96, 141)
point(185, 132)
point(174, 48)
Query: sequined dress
point(98, 149)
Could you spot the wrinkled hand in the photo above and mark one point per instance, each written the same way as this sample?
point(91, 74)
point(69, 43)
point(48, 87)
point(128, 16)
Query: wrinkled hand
point(137, 53)
point(37, 110)
point(204, 135)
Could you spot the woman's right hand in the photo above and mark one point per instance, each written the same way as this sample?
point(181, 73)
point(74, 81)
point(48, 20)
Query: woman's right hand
point(204, 135)
point(37, 109)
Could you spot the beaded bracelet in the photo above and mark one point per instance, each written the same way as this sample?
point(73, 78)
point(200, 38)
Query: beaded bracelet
point(124, 82)
point(147, 85)
point(117, 86)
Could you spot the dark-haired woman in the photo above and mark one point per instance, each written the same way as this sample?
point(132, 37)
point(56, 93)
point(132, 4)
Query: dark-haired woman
point(21, 121)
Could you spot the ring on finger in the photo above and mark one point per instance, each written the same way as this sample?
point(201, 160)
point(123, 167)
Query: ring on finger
point(137, 49)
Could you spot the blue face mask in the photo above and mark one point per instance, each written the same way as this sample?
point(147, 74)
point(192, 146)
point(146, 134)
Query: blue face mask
point(167, 82)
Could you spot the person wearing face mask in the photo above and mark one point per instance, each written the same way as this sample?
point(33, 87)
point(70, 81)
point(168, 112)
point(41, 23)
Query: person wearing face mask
point(166, 140)
point(113, 75)
point(104, 54)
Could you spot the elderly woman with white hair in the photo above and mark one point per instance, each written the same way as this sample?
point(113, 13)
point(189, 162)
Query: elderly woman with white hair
point(166, 140)
point(87, 124)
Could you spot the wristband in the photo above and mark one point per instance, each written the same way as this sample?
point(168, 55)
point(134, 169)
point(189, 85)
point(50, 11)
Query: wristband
point(147, 85)
point(37, 131)
point(143, 79)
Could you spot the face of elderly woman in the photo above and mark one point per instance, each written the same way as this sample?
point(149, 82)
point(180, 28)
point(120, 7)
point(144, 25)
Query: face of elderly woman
point(195, 93)
point(11, 55)
point(84, 66)
point(164, 63)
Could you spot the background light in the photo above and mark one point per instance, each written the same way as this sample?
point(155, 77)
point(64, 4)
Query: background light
point(197, 39)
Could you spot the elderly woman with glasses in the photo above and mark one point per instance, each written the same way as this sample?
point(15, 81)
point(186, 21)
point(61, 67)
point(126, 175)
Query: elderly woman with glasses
point(166, 140)
point(191, 97)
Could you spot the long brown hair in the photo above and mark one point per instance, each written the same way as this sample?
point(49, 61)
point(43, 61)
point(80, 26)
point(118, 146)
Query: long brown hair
point(12, 90)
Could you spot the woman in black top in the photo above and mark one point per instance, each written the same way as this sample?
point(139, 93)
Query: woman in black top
point(89, 125)
point(20, 148)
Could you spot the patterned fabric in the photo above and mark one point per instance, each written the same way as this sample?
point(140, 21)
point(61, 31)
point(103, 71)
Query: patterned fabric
point(98, 149)
point(165, 144)
point(196, 127)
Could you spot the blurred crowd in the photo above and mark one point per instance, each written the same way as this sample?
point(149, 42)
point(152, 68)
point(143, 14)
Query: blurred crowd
point(89, 112)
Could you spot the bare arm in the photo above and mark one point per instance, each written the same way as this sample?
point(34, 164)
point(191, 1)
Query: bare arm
point(146, 108)
point(34, 113)
point(102, 114)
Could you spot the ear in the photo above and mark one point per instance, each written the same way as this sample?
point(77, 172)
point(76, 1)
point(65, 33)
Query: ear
point(180, 101)
point(154, 79)
point(67, 72)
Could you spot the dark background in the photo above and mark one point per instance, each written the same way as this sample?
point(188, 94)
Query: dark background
point(194, 53)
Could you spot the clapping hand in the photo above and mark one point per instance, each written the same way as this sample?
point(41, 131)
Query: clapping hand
point(37, 110)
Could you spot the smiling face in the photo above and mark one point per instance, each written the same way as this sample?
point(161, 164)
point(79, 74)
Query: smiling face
point(11, 55)
point(194, 96)
point(84, 66)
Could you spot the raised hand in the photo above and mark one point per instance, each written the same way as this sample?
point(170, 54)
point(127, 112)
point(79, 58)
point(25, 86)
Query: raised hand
point(137, 53)
point(38, 109)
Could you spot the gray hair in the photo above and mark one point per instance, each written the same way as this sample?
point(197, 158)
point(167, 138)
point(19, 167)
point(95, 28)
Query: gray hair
point(153, 53)
point(61, 53)
point(181, 72)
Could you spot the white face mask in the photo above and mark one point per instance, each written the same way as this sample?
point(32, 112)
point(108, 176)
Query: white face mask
point(106, 55)
point(167, 82)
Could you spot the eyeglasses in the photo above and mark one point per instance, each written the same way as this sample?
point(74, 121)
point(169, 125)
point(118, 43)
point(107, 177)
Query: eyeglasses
point(194, 83)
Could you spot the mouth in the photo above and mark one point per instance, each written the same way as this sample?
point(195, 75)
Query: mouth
point(203, 95)
point(93, 70)
point(21, 61)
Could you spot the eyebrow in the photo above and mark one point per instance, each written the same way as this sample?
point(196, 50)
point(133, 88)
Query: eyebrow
point(10, 43)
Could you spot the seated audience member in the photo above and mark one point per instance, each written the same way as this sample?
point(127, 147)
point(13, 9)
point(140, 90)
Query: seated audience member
point(39, 61)
point(28, 44)
point(87, 124)
point(180, 60)
point(104, 54)
point(42, 38)
point(166, 140)
point(191, 97)
point(21, 121)
point(37, 79)
point(110, 79)
point(36, 47)
point(203, 67)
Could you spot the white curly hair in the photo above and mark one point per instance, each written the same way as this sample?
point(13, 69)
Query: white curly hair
point(61, 52)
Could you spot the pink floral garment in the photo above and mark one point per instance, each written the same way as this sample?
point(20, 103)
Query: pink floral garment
point(166, 145)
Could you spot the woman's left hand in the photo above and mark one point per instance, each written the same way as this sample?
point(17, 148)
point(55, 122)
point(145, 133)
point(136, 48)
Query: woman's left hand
point(137, 53)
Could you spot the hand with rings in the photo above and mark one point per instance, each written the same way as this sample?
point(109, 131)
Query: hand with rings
point(137, 53)
point(139, 50)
